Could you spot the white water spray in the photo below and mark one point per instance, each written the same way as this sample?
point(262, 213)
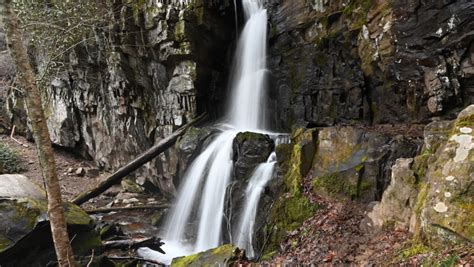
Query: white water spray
point(246, 227)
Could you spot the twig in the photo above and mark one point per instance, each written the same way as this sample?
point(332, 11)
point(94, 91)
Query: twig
point(143, 207)
point(13, 138)
point(134, 258)
point(92, 258)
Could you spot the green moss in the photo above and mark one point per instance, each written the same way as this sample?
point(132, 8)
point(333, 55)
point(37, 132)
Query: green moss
point(414, 250)
point(185, 261)
point(179, 30)
point(86, 241)
point(451, 260)
point(335, 185)
point(292, 208)
point(420, 164)
point(4, 243)
point(224, 255)
point(420, 202)
point(250, 136)
point(467, 121)
point(268, 256)
point(10, 160)
point(357, 10)
point(75, 215)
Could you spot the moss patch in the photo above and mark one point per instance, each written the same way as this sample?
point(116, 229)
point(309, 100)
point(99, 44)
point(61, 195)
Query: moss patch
point(224, 255)
point(414, 250)
point(10, 160)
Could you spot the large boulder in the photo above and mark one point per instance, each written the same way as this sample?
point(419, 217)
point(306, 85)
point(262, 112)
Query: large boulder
point(445, 211)
point(398, 199)
point(225, 255)
point(25, 235)
point(354, 163)
point(250, 149)
point(433, 195)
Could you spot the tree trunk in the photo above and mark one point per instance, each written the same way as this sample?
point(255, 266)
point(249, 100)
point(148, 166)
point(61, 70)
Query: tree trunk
point(26, 78)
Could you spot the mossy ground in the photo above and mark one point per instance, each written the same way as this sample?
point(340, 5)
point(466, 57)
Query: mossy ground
point(418, 254)
point(10, 160)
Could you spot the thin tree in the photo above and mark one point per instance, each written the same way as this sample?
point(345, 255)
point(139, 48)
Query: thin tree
point(26, 79)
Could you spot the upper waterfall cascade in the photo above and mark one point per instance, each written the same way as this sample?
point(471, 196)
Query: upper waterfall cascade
point(202, 194)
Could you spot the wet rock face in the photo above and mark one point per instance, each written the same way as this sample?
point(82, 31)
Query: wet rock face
point(132, 85)
point(369, 61)
point(189, 146)
point(250, 149)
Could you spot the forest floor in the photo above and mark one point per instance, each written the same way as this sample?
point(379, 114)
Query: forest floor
point(77, 175)
point(331, 237)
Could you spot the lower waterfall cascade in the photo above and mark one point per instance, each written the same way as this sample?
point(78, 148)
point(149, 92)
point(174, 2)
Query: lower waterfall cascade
point(203, 190)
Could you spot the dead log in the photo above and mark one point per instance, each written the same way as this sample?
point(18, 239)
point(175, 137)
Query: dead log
point(143, 158)
point(118, 258)
point(154, 243)
point(141, 207)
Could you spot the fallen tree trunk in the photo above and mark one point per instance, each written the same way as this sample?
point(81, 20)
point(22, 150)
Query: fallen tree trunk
point(146, 207)
point(143, 158)
point(154, 243)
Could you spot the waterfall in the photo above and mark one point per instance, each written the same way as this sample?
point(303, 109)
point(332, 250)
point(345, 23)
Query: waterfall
point(205, 182)
point(248, 85)
point(246, 226)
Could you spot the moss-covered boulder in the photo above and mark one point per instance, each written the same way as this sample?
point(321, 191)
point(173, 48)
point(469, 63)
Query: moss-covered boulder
point(25, 235)
point(292, 207)
point(250, 149)
point(224, 255)
point(354, 163)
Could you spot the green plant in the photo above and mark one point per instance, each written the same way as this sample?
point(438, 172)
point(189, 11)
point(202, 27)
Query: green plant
point(451, 260)
point(10, 161)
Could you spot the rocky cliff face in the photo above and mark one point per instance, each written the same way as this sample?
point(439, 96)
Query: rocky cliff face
point(364, 61)
point(150, 71)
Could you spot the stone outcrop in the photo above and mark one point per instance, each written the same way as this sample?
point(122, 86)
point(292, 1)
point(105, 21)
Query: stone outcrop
point(433, 194)
point(355, 163)
point(25, 235)
point(360, 61)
